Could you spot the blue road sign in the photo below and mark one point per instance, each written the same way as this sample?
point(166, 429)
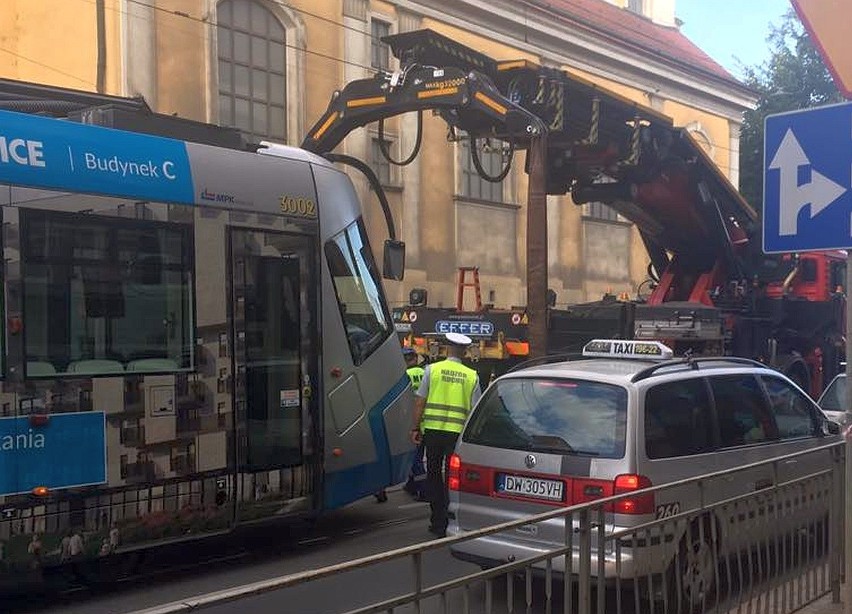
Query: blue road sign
point(69, 450)
point(807, 194)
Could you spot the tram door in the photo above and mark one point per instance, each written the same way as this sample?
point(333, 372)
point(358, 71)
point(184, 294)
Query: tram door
point(275, 370)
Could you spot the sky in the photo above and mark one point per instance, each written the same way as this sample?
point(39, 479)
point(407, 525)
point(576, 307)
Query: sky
point(728, 30)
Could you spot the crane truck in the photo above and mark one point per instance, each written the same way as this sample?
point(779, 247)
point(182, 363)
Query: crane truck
point(712, 289)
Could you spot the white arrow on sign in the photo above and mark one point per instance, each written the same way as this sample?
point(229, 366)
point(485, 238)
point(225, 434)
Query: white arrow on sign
point(819, 193)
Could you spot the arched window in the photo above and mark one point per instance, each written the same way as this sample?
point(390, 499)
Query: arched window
point(252, 70)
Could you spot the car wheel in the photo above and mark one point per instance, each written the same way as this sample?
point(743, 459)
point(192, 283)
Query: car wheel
point(693, 573)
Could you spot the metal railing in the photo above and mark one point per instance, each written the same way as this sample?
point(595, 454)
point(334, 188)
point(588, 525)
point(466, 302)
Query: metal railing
point(734, 541)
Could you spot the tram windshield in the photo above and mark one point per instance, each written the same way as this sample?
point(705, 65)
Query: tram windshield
point(359, 291)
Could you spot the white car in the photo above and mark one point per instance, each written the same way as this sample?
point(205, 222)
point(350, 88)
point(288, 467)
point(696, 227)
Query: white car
point(626, 417)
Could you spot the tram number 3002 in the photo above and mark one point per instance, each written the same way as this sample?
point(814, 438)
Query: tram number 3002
point(669, 510)
point(304, 207)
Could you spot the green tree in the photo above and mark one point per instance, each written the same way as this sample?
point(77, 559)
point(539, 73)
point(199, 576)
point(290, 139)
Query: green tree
point(794, 77)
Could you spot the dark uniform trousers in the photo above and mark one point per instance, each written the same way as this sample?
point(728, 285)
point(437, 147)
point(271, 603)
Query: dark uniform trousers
point(439, 446)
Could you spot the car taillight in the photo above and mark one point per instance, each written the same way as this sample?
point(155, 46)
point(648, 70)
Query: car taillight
point(641, 504)
point(453, 474)
point(469, 478)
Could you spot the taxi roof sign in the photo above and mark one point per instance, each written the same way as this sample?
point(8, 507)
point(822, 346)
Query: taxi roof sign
point(619, 348)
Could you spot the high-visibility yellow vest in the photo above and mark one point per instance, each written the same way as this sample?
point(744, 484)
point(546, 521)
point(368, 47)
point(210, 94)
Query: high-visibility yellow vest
point(448, 402)
point(415, 374)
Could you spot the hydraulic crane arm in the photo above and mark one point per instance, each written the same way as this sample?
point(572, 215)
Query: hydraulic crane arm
point(600, 146)
point(467, 100)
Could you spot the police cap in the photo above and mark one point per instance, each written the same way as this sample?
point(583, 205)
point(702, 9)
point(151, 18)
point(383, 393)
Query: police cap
point(458, 339)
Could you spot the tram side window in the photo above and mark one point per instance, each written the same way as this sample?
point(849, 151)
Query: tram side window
point(359, 292)
point(105, 295)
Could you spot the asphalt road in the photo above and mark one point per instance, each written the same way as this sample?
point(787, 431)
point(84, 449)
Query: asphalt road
point(357, 589)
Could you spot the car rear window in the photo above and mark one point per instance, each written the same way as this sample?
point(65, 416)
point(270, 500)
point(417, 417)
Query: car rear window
point(559, 416)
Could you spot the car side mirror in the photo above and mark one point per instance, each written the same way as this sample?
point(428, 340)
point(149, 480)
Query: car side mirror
point(393, 266)
point(830, 427)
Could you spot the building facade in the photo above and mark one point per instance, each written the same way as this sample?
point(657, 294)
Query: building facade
point(269, 67)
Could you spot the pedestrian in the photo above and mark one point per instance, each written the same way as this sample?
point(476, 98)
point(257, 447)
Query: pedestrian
point(415, 486)
point(76, 546)
point(34, 550)
point(412, 367)
point(415, 374)
point(114, 538)
point(447, 393)
point(65, 549)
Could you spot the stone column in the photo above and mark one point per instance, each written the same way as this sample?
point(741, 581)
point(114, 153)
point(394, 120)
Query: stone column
point(140, 51)
point(734, 153)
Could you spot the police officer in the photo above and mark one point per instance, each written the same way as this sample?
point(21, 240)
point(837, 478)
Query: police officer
point(417, 474)
point(414, 371)
point(446, 395)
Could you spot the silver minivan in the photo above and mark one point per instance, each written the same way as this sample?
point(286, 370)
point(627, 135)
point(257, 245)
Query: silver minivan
point(621, 419)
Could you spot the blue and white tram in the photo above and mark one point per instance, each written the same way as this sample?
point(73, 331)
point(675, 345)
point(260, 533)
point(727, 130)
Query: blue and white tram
point(196, 338)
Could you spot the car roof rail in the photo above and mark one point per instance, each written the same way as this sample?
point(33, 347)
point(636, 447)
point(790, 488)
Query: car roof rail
point(695, 363)
point(547, 359)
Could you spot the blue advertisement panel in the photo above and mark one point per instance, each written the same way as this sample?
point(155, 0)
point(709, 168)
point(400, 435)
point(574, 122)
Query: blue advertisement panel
point(47, 153)
point(68, 450)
